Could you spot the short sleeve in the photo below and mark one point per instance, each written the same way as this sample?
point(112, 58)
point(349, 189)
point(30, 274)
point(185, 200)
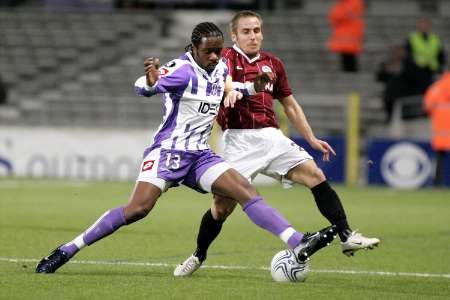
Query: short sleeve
point(281, 87)
point(173, 78)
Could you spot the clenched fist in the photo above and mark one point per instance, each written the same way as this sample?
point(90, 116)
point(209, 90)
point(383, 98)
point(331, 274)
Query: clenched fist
point(151, 65)
point(262, 79)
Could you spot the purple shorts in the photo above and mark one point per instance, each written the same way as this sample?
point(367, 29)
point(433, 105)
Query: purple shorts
point(168, 168)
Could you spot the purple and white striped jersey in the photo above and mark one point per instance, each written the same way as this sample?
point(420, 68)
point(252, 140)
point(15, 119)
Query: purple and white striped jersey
point(191, 99)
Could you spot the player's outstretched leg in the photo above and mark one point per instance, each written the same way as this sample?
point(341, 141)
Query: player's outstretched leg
point(356, 241)
point(142, 201)
point(312, 242)
point(330, 206)
point(109, 222)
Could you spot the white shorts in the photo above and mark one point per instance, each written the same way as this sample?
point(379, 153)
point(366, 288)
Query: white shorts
point(266, 150)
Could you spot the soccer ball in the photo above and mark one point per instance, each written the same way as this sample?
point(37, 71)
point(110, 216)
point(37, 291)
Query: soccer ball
point(285, 267)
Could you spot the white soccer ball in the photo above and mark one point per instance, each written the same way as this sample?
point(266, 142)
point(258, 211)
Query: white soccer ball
point(285, 267)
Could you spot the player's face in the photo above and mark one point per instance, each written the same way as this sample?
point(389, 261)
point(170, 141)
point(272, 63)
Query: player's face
point(208, 53)
point(248, 36)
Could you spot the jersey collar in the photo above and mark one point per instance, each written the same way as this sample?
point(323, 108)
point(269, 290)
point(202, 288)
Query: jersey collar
point(235, 47)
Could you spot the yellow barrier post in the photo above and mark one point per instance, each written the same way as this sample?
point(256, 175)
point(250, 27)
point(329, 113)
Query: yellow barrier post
point(352, 138)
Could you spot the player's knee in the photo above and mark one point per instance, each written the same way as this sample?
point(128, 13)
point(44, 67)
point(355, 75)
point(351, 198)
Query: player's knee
point(222, 207)
point(221, 211)
point(142, 211)
point(136, 212)
point(317, 176)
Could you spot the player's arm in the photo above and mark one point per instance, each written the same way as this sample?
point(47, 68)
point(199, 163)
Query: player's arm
point(297, 117)
point(231, 94)
point(171, 78)
point(236, 90)
point(251, 88)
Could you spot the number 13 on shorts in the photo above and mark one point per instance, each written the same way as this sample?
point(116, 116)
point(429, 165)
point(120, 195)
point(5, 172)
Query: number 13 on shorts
point(173, 160)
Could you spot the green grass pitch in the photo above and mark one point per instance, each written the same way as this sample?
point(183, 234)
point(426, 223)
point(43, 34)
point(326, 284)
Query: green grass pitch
point(412, 262)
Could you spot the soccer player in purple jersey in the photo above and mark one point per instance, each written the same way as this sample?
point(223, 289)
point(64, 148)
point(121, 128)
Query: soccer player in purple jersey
point(253, 143)
point(193, 87)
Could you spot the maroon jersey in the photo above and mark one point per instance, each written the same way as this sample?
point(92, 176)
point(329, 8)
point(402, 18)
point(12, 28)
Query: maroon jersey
point(255, 111)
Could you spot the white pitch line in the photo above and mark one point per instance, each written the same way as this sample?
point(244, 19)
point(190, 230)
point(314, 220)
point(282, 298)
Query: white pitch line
point(149, 264)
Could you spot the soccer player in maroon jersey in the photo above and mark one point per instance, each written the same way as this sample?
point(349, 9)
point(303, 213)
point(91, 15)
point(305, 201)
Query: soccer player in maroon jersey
point(254, 144)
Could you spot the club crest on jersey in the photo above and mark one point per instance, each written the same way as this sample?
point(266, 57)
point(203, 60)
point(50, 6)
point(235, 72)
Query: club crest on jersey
point(163, 71)
point(266, 69)
point(147, 165)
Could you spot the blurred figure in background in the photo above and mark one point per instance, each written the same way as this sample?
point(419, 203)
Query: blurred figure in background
point(437, 105)
point(347, 25)
point(422, 57)
point(390, 73)
point(425, 57)
point(392, 65)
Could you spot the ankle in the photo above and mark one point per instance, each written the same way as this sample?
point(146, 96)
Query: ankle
point(201, 255)
point(344, 234)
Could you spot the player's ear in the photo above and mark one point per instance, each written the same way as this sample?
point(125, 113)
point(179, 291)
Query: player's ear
point(194, 51)
point(233, 37)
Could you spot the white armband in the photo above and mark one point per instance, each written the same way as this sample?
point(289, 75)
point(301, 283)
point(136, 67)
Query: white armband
point(143, 89)
point(247, 88)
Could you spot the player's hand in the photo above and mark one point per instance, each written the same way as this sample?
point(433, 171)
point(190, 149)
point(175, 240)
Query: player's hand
point(231, 98)
point(151, 65)
point(262, 79)
point(323, 147)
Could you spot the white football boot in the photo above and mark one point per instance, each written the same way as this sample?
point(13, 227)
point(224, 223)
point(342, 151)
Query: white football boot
point(356, 241)
point(189, 266)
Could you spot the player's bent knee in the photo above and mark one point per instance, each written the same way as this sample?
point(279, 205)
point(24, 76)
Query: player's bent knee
point(316, 176)
point(223, 208)
point(319, 175)
point(136, 212)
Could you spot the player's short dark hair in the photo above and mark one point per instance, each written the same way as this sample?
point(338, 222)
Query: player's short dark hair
point(243, 14)
point(203, 30)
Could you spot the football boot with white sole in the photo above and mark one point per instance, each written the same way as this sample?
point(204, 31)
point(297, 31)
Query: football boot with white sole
point(356, 241)
point(188, 267)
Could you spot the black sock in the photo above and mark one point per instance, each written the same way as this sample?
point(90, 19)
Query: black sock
point(208, 231)
point(331, 208)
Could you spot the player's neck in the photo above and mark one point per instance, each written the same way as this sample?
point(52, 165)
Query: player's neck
point(252, 55)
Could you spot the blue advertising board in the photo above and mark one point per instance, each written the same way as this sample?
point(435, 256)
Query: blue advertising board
point(335, 168)
point(403, 163)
